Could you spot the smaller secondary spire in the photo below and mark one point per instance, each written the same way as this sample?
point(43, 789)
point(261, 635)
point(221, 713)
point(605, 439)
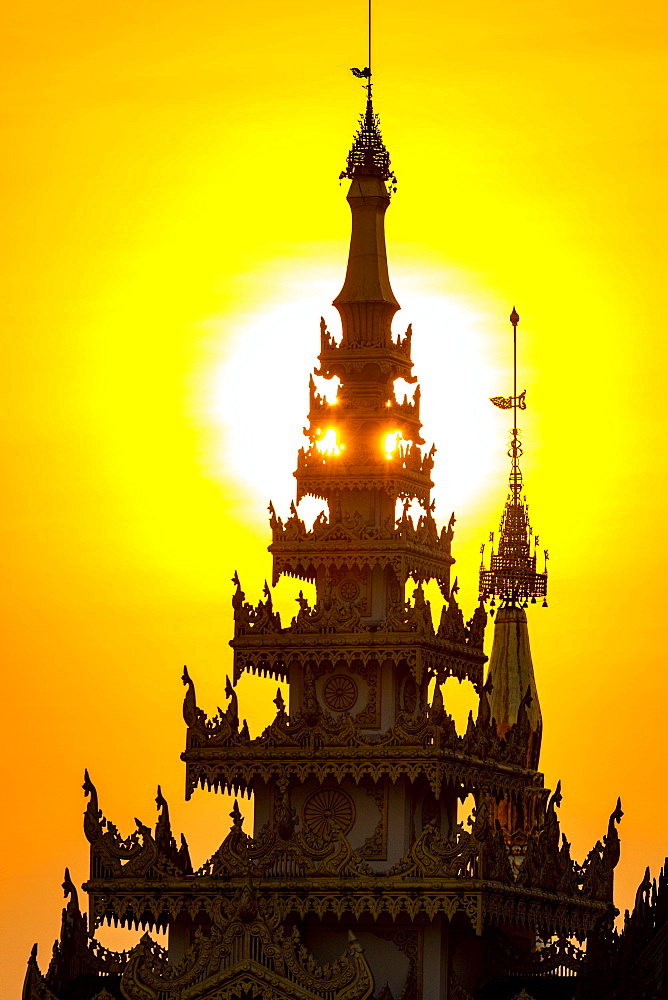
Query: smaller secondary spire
point(512, 575)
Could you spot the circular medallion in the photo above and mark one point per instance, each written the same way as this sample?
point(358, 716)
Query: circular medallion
point(340, 693)
point(328, 809)
point(349, 589)
point(410, 695)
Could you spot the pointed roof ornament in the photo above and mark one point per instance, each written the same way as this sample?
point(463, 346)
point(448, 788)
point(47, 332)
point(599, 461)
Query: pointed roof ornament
point(368, 156)
point(512, 575)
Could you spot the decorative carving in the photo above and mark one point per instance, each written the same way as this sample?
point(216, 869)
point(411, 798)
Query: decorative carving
point(252, 619)
point(434, 856)
point(409, 940)
point(164, 840)
point(375, 846)
point(368, 155)
point(409, 695)
point(222, 730)
point(349, 590)
point(369, 672)
point(558, 956)
point(452, 627)
point(329, 615)
point(75, 954)
point(600, 863)
point(329, 809)
point(247, 947)
point(340, 693)
point(140, 854)
point(312, 853)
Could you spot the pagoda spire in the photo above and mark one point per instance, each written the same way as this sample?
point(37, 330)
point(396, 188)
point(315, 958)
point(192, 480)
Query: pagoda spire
point(366, 440)
point(513, 579)
point(366, 303)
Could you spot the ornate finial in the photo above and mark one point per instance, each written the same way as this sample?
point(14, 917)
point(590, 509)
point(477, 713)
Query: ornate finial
point(236, 817)
point(232, 713)
point(69, 889)
point(267, 593)
point(368, 155)
point(190, 700)
point(238, 595)
point(279, 702)
point(512, 572)
point(616, 816)
point(160, 800)
point(556, 795)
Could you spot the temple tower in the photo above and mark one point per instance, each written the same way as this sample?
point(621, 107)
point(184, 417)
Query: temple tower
point(362, 877)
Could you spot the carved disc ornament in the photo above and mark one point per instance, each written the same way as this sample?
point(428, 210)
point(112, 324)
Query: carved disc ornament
point(410, 694)
point(329, 808)
point(340, 693)
point(349, 589)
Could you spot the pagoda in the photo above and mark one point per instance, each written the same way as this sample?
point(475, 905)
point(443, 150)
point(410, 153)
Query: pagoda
point(362, 876)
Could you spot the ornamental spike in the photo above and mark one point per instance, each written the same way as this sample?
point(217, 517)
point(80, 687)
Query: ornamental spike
point(512, 575)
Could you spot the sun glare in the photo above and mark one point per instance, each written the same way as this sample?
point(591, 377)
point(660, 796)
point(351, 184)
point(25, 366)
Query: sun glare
point(392, 442)
point(328, 444)
point(258, 391)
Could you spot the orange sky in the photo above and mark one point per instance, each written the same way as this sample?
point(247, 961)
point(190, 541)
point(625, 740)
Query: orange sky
point(174, 229)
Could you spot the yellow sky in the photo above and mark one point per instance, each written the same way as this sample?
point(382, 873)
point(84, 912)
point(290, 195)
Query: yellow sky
point(174, 229)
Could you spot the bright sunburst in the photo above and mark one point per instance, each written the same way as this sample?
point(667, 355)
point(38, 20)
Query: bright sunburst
point(259, 393)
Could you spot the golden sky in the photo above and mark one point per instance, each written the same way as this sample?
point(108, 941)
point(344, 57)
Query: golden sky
point(173, 230)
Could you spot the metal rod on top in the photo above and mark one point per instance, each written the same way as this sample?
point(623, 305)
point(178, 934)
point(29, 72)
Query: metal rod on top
point(369, 62)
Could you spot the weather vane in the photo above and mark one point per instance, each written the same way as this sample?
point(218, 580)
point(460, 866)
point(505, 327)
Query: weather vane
point(512, 575)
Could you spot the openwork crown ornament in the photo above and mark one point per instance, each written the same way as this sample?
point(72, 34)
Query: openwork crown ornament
point(368, 155)
point(512, 575)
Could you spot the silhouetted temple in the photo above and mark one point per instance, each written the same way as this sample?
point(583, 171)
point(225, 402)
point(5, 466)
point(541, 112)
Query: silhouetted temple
point(363, 876)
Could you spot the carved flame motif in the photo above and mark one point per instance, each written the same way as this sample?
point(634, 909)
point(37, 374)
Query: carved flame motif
point(327, 809)
point(340, 693)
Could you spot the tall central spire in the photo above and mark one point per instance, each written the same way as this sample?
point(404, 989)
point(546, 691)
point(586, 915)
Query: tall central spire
point(366, 440)
point(366, 303)
point(364, 454)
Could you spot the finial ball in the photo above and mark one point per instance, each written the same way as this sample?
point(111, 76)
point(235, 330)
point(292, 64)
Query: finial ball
point(514, 317)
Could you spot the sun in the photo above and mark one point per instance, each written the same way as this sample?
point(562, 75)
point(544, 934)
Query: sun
point(258, 392)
